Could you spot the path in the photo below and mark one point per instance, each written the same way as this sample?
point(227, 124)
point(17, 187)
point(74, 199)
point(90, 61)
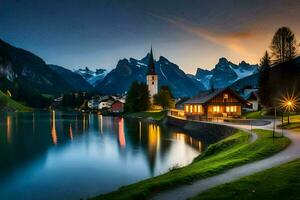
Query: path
point(292, 152)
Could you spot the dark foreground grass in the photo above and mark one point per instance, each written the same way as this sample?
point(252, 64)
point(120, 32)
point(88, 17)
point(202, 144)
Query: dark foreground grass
point(281, 182)
point(230, 152)
point(156, 115)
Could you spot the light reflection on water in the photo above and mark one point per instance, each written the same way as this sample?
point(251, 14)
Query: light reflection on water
point(60, 155)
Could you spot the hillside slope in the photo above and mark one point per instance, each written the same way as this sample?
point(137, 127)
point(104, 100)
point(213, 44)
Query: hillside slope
point(8, 104)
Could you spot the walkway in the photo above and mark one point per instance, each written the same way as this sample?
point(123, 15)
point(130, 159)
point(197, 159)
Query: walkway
point(292, 152)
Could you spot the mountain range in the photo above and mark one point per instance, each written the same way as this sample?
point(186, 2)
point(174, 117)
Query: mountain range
point(23, 72)
point(224, 74)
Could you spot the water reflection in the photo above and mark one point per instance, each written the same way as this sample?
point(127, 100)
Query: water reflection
point(188, 140)
point(53, 129)
point(8, 128)
point(72, 150)
point(122, 139)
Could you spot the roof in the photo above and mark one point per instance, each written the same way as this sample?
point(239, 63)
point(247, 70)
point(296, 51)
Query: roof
point(251, 96)
point(151, 65)
point(206, 96)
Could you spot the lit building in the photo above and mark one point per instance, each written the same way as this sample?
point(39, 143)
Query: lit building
point(152, 78)
point(214, 103)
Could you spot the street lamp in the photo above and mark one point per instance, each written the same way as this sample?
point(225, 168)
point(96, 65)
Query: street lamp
point(289, 103)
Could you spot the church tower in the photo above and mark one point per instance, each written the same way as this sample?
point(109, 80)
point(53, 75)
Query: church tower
point(152, 78)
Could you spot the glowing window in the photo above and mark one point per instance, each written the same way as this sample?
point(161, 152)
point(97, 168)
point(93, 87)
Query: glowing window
point(225, 96)
point(199, 109)
point(227, 108)
point(191, 108)
point(231, 108)
point(186, 108)
point(216, 109)
point(195, 108)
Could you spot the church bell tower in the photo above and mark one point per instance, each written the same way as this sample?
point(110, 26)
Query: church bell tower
point(152, 78)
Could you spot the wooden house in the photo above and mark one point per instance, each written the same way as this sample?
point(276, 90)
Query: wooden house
point(215, 103)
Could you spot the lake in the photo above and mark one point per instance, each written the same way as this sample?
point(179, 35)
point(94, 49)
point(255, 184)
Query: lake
point(57, 155)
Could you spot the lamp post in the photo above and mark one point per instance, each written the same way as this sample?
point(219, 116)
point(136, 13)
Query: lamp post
point(274, 124)
point(289, 103)
point(289, 106)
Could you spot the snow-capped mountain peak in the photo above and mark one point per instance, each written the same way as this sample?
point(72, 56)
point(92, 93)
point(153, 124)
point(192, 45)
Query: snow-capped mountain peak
point(224, 73)
point(91, 76)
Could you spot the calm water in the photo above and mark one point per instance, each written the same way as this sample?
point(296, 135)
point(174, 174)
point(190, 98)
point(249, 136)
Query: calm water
point(71, 156)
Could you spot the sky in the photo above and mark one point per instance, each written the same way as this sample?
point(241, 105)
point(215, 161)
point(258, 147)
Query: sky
point(190, 33)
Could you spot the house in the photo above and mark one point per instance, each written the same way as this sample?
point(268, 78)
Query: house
point(251, 95)
point(117, 106)
point(93, 103)
point(179, 103)
point(105, 104)
point(215, 103)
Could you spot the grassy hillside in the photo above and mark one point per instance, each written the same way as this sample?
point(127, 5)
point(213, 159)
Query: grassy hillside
point(9, 104)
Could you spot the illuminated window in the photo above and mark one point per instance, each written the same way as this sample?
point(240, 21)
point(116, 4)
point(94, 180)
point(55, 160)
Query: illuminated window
point(231, 108)
point(227, 108)
point(195, 108)
point(216, 109)
point(199, 108)
point(225, 96)
point(186, 108)
point(191, 108)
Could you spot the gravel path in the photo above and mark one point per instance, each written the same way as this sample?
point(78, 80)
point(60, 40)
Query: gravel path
point(292, 152)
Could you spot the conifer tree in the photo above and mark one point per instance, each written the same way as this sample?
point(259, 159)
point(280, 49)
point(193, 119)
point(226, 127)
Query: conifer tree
point(264, 77)
point(284, 46)
point(138, 98)
point(164, 98)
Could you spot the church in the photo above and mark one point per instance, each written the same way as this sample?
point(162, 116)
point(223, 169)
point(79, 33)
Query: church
point(152, 78)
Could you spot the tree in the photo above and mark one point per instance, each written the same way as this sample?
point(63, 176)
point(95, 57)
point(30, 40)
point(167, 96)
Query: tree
point(264, 77)
point(284, 46)
point(164, 98)
point(138, 98)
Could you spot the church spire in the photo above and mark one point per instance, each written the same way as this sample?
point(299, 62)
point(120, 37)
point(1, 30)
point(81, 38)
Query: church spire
point(151, 65)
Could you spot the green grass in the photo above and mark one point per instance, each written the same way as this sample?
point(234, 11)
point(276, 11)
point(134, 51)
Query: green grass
point(294, 123)
point(7, 102)
point(281, 182)
point(230, 152)
point(254, 114)
point(157, 115)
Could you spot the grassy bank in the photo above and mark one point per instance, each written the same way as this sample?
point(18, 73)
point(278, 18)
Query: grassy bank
point(232, 151)
point(156, 115)
point(9, 104)
point(294, 123)
point(281, 182)
point(254, 114)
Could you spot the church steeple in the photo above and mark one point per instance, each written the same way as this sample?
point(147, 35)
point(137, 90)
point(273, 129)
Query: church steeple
point(151, 65)
point(152, 78)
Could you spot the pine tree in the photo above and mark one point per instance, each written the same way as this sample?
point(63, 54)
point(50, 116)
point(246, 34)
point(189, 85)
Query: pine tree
point(284, 46)
point(164, 98)
point(264, 77)
point(138, 98)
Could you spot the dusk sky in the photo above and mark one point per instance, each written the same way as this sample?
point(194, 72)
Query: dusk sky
point(97, 33)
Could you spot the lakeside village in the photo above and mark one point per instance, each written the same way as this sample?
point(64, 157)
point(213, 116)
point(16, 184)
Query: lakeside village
point(213, 104)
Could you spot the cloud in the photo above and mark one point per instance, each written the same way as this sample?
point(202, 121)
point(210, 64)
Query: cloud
point(234, 41)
